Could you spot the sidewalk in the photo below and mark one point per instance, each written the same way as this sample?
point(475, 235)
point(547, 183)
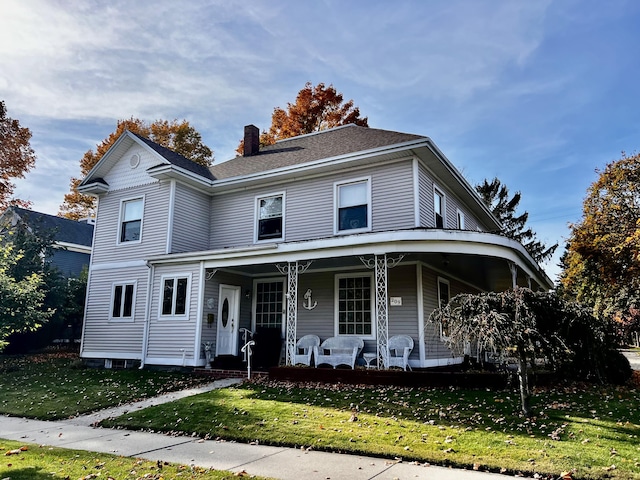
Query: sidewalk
point(276, 462)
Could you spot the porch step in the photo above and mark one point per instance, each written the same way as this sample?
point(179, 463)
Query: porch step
point(228, 362)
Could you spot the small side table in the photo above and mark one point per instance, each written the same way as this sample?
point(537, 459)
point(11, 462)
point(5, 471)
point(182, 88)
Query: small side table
point(369, 357)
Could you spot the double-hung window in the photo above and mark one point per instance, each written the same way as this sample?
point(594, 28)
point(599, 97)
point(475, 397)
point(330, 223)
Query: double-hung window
point(270, 217)
point(354, 206)
point(438, 207)
point(131, 220)
point(123, 298)
point(355, 305)
point(175, 296)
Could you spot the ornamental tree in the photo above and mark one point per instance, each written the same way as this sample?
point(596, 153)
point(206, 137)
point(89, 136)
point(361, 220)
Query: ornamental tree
point(315, 109)
point(528, 326)
point(602, 263)
point(21, 301)
point(16, 156)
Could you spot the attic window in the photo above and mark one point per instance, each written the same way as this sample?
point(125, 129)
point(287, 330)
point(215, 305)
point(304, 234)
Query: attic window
point(134, 161)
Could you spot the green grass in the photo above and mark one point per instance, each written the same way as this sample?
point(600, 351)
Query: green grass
point(40, 462)
point(52, 387)
point(590, 431)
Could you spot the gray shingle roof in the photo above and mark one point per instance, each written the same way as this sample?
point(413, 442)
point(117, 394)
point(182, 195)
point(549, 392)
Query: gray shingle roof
point(68, 231)
point(177, 159)
point(308, 148)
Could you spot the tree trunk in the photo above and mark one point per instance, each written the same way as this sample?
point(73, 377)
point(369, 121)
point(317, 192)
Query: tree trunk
point(523, 376)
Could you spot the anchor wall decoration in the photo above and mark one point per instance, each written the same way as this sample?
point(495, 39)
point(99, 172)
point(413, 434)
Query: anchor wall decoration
point(307, 297)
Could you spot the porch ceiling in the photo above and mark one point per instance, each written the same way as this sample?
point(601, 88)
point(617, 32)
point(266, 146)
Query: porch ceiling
point(484, 273)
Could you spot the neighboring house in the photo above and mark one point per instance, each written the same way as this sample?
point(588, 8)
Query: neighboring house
point(351, 231)
point(72, 246)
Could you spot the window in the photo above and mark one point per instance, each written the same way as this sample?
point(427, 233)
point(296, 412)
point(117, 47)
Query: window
point(438, 207)
point(460, 220)
point(131, 220)
point(270, 224)
point(443, 300)
point(353, 206)
point(354, 305)
point(122, 304)
point(269, 304)
point(174, 296)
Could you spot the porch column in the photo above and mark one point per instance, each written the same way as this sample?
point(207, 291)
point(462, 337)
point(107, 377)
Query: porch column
point(291, 270)
point(380, 264)
point(514, 274)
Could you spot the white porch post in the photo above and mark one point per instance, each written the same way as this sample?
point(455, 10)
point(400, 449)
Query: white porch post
point(291, 270)
point(514, 274)
point(380, 264)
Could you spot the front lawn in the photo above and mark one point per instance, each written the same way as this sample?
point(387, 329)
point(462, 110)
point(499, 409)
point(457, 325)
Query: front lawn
point(591, 432)
point(57, 386)
point(39, 462)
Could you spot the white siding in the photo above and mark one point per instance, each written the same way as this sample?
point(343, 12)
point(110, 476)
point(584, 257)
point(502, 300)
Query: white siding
point(114, 339)
point(452, 203)
point(168, 337)
point(426, 198)
point(190, 220)
point(122, 176)
point(309, 209)
point(154, 225)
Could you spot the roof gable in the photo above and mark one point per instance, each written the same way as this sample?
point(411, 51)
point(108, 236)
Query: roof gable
point(163, 155)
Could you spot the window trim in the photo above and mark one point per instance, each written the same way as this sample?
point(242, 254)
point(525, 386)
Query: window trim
point(336, 296)
point(123, 319)
point(443, 204)
point(336, 205)
point(256, 224)
point(439, 281)
point(121, 220)
point(187, 301)
point(460, 219)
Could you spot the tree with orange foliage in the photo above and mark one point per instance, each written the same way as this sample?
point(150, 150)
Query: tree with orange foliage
point(16, 156)
point(602, 263)
point(315, 109)
point(180, 137)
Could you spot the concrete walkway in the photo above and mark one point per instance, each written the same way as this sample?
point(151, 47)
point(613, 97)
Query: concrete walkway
point(276, 462)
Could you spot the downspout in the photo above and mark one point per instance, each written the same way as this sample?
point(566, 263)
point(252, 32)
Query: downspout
point(147, 317)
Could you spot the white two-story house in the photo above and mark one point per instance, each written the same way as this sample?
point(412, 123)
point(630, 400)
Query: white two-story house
point(351, 231)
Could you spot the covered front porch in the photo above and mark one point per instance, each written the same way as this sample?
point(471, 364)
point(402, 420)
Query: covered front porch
point(296, 288)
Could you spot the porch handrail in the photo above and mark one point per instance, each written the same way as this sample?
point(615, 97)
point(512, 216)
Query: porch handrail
point(246, 334)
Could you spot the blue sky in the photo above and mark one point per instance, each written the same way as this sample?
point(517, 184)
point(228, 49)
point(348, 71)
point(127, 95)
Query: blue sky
point(538, 93)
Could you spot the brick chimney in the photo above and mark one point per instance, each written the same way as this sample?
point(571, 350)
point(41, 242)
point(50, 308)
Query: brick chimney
point(251, 140)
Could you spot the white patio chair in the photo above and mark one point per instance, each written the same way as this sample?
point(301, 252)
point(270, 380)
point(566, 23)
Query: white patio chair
point(400, 347)
point(304, 349)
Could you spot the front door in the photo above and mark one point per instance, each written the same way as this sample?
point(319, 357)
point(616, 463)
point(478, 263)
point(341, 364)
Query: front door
point(228, 319)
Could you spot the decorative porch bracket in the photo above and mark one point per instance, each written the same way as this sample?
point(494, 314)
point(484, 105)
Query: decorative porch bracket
point(292, 270)
point(381, 264)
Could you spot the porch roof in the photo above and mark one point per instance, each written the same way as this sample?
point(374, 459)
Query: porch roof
point(477, 258)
